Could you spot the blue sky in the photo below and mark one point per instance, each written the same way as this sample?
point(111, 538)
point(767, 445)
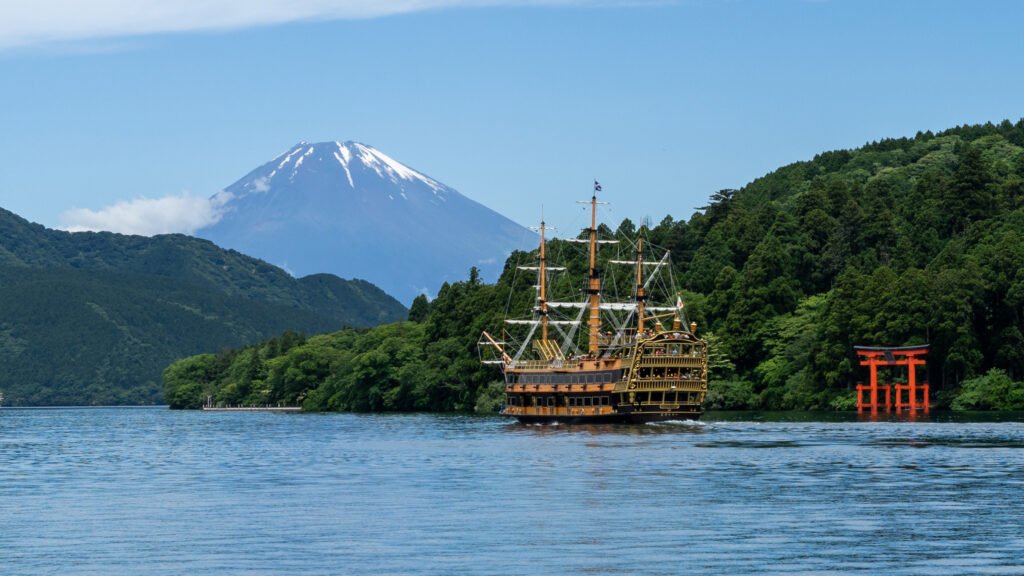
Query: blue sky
point(515, 104)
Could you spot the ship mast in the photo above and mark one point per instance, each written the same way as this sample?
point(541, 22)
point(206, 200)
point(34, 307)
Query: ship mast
point(641, 294)
point(594, 284)
point(543, 296)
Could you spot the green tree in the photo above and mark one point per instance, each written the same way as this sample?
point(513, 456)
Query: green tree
point(420, 309)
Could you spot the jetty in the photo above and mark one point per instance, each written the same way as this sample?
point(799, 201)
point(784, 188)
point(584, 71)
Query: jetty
point(252, 408)
point(209, 406)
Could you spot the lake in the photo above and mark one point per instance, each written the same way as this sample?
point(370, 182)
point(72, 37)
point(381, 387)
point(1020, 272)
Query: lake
point(148, 491)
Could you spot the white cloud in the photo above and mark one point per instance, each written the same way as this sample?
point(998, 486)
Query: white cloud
point(183, 213)
point(27, 23)
point(261, 184)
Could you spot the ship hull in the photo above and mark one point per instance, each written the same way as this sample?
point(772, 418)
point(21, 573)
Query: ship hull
point(624, 418)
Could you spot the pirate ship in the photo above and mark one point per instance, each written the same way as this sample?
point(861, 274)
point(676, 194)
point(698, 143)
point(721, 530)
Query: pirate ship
point(637, 359)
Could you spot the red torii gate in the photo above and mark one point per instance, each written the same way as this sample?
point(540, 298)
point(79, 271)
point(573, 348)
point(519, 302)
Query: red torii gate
point(909, 356)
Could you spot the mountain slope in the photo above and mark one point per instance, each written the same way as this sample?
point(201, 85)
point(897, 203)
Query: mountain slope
point(350, 209)
point(92, 318)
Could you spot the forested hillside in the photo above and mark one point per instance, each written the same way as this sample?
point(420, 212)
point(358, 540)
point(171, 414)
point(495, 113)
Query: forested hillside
point(427, 363)
point(93, 318)
point(903, 241)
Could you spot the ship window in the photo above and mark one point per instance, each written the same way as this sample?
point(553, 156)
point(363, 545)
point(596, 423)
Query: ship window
point(551, 401)
point(604, 400)
point(588, 401)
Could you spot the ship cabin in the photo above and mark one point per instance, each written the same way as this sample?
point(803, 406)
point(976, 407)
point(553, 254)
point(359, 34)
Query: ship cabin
point(586, 389)
point(658, 374)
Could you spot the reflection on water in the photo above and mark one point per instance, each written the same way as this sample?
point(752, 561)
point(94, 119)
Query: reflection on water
point(150, 491)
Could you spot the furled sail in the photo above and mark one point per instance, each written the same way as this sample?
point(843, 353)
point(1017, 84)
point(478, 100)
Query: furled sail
point(611, 306)
point(556, 322)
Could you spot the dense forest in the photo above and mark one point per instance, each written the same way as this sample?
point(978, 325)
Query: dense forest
point(902, 241)
point(94, 318)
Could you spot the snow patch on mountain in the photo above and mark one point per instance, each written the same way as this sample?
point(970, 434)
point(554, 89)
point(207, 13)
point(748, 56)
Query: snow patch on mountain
point(350, 209)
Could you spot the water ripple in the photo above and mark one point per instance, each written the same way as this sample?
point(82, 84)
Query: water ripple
point(153, 492)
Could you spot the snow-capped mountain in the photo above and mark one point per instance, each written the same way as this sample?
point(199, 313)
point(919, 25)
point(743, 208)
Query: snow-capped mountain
point(349, 209)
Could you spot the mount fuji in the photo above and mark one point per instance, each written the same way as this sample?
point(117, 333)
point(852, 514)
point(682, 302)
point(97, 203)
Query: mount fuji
point(351, 210)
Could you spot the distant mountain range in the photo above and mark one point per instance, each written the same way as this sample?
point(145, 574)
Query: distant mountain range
point(349, 209)
point(93, 318)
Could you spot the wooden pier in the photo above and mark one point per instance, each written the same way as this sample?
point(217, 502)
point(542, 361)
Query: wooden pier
point(252, 408)
point(209, 406)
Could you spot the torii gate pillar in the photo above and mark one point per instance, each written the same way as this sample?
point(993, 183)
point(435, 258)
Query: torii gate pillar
point(909, 356)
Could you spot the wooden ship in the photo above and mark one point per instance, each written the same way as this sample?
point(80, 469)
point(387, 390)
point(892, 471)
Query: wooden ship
point(637, 360)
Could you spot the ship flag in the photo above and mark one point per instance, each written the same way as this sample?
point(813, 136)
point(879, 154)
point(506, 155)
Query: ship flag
point(597, 186)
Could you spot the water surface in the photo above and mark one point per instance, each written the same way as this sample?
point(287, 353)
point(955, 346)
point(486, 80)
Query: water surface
point(153, 491)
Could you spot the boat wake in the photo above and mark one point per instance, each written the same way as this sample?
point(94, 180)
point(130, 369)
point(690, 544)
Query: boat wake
point(679, 423)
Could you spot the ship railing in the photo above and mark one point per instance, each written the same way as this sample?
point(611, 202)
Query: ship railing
point(681, 385)
point(671, 405)
point(536, 364)
point(605, 340)
point(683, 361)
point(602, 363)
